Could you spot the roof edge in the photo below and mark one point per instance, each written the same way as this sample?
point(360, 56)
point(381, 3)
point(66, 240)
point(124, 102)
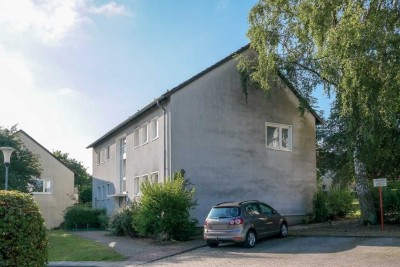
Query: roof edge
point(45, 149)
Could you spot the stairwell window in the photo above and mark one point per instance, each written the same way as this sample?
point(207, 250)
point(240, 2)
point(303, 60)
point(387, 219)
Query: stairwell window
point(278, 136)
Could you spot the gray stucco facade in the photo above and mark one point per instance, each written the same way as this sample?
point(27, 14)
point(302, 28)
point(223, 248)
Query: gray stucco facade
point(206, 127)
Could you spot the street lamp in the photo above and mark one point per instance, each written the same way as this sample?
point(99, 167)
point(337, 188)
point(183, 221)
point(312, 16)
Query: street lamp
point(7, 151)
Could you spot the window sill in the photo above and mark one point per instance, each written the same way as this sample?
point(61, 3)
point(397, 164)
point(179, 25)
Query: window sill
point(278, 149)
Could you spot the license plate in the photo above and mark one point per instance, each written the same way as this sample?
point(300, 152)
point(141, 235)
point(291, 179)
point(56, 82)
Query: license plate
point(219, 227)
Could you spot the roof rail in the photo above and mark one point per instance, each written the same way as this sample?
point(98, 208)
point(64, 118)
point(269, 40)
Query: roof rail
point(224, 202)
point(252, 200)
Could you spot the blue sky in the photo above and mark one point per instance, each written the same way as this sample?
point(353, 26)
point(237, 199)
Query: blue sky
point(73, 69)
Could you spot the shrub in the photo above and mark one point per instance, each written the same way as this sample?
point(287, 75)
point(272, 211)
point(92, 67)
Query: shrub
point(22, 232)
point(329, 205)
point(81, 216)
point(121, 223)
point(340, 202)
point(165, 209)
point(320, 206)
point(391, 202)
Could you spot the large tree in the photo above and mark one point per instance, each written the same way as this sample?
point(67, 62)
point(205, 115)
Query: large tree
point(83, 180)
point(24, 164)
point(351, 48)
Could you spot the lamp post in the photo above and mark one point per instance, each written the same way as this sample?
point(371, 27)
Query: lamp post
point(7, 151)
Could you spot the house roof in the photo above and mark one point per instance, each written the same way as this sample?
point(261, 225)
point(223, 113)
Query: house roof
point(45, 149)
point(187, 82)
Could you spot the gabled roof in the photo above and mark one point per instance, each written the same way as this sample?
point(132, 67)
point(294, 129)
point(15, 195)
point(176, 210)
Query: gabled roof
point(45, 149)
point(166, 95)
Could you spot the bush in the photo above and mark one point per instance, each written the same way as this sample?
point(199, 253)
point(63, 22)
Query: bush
point(329, 205)
point(320, 206)
point(391, 202)
point(340, 202)
point(164, 210)
point(81, 216)
point(121, 223)
point(22, 232)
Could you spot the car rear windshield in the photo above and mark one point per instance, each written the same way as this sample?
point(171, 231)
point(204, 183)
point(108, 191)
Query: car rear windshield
point(224, 212)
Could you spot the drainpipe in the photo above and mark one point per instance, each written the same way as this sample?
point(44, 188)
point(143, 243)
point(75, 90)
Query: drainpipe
point(165, 138)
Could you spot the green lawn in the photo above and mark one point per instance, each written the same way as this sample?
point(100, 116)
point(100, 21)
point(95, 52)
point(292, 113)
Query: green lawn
point(63, 246)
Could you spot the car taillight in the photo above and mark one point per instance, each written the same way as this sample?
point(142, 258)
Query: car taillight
point(236, 221)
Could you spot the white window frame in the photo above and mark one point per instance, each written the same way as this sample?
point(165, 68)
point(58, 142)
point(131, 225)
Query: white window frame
point(280, 127)
point(45, 180)
point(107, 153)
point(98, 157)
point(151, 177)
point(136, 187)
point(136, 134)
point(154, 128)
point(108, 186)
point(144, 138)
point(124, 185)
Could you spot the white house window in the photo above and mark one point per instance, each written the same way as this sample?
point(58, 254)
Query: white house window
point(98, 157)
point(154, 129)
point(107, 153)
point(104, 192)
point(278, 136)
point(145, 134)
point(136, 188)
point(40, 186)
point(145, 178)
point(124, 184)
point(154, 178)
point(136, 138)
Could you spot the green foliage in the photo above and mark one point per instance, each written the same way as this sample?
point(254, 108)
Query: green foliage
point(24, 164)
point(351, 48)
point(121, 223)
point(320, 206)
point(81, 216)
point(164, 209)
point(22, 231)
point(332, 204)
point(391, 202)
point(83, 180)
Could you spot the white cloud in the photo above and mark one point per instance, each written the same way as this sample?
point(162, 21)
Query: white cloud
point(50, 21)
point(109, 10)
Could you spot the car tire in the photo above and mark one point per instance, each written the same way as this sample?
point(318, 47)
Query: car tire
point(284, 230)
point(251, 239)
point(212, 244)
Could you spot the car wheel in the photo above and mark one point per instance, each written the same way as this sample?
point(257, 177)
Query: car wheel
point(283, 232)
point(250, 239)
point(212, 244)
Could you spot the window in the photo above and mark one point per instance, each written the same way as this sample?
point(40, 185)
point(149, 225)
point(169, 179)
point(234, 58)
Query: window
point(104, 192)
point(136, 188)
point(98, 157)
point(145, 134)
point(38, 186)
point(136, 138)
point(123, 185)
point(106, 153)
point(278, 136)
point(266, 210)
point(154, 178)
point(252, 210)
point(154, 129)
point(99, 192)
point(145, 178)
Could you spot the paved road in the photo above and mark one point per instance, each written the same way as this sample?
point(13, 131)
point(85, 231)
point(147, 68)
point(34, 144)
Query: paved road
point(295, 251)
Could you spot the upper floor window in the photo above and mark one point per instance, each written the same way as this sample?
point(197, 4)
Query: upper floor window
point(154, 128)
point(40, 186)
point(136, 188)
point(107, 153)
point(136, 138)
point(98, 160)
point(278, 136)
point(145, 134)
point(122, 145)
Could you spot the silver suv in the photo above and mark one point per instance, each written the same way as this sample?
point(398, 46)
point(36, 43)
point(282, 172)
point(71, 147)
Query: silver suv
point(243, 222)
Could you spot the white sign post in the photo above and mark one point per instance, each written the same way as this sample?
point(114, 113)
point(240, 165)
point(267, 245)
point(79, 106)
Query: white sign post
point(379, 183)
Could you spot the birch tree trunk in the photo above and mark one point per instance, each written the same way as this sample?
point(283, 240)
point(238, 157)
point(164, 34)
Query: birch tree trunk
point(368, 214)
